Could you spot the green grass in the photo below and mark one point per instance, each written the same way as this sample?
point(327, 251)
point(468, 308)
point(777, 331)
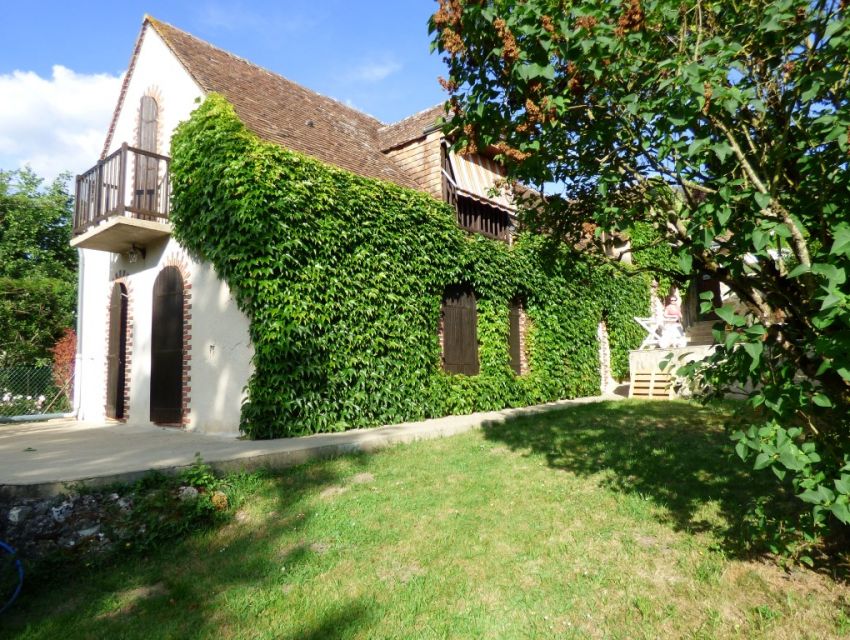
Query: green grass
point(618, 520)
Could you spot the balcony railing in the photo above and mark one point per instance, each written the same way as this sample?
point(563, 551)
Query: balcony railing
point(129, 182)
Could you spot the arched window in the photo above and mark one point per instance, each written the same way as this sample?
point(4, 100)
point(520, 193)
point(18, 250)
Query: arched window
point(460, 331)
point(147, 168)
point(167, 348)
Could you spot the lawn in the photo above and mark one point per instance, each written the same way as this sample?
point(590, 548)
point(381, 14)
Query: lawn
point(615, 520)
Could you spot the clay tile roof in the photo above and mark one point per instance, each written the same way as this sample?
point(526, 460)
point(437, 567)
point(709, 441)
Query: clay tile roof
point(411, 128)
point(281, 111)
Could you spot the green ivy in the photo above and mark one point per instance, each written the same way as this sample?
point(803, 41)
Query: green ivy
point(650, 250)
point(342, 278)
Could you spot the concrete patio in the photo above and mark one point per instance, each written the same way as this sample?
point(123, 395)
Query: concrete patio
point(41, 459)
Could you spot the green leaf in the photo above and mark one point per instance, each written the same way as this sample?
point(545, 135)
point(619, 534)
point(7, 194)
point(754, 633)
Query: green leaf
point(728, 315)
point(754, 349)
point(821, 400)
point(533, 70)
point(840, 511)
point(762, 460)
point(810, 496)
point(790, 461)
point(760, 238)
point(799, 270)
point(722, 150)
point(763, 199)
point(841, 240)
point(842, 485)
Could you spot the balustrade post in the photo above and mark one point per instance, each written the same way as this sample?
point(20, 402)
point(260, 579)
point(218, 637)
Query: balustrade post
point(77, 206)
point(122, 180)
point(98, 209)
point(166, 205)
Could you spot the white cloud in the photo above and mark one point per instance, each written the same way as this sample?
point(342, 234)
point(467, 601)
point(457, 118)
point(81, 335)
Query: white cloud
point(55, 124)
point(373, 70)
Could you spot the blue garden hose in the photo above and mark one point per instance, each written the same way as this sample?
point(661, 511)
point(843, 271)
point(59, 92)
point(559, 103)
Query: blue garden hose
point(6, 549)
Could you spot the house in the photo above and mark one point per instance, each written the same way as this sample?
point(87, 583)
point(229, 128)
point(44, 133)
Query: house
point(161, 339)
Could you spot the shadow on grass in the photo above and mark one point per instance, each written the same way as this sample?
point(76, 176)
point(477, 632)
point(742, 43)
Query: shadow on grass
point(673, 453)
point(201, 586)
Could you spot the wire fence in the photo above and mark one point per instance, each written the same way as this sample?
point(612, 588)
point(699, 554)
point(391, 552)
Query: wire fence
point(27, 391)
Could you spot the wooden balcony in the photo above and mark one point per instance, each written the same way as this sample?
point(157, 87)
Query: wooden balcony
point(123, 201)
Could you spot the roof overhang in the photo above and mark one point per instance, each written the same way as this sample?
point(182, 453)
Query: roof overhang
point(477, 177)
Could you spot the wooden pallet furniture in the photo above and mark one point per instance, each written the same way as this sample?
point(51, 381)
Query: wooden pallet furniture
point(651, 384)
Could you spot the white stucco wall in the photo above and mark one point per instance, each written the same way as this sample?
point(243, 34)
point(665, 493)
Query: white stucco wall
point(220, 350)
point(92, 317)
point(220, 347)
point(159, 74)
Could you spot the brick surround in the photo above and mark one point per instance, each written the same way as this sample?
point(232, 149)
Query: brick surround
point(152, 92)
point(524, 326)
point(180, 264)
point(606, 379)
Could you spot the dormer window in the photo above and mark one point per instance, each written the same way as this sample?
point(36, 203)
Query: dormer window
point(467, 185)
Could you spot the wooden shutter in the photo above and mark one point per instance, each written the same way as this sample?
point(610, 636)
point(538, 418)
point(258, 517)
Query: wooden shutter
point(148, 112)
point(147, 168)
point(116, 352)
point(167, 348)
point(460, 331)
point(514, 342)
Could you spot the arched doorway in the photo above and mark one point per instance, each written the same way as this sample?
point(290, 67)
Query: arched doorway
point(167, 348)
point(116, 357)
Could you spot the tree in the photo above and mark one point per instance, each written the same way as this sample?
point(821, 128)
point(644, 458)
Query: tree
point(725, 126)
point(37, 266)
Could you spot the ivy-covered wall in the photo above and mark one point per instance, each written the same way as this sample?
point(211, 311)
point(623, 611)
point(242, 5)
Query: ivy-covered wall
point(342, 278)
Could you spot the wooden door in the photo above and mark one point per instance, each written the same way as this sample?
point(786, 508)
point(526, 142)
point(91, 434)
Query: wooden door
point(147, 168)
point(460, 331)
point(116, 352)
point(167, 348)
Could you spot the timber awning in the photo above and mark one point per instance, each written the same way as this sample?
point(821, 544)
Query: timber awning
point(477, 177)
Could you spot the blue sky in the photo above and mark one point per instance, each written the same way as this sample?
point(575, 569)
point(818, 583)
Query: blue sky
point(60, 62)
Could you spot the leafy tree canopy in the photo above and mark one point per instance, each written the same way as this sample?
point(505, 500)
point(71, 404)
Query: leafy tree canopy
point(724, 125)
point(35, 226)
point(37, 266)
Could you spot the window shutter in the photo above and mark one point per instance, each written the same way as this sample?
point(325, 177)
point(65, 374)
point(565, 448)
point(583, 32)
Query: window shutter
point(460, 331)
point(514, 343)
point(147, 168)
point(148, 112)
